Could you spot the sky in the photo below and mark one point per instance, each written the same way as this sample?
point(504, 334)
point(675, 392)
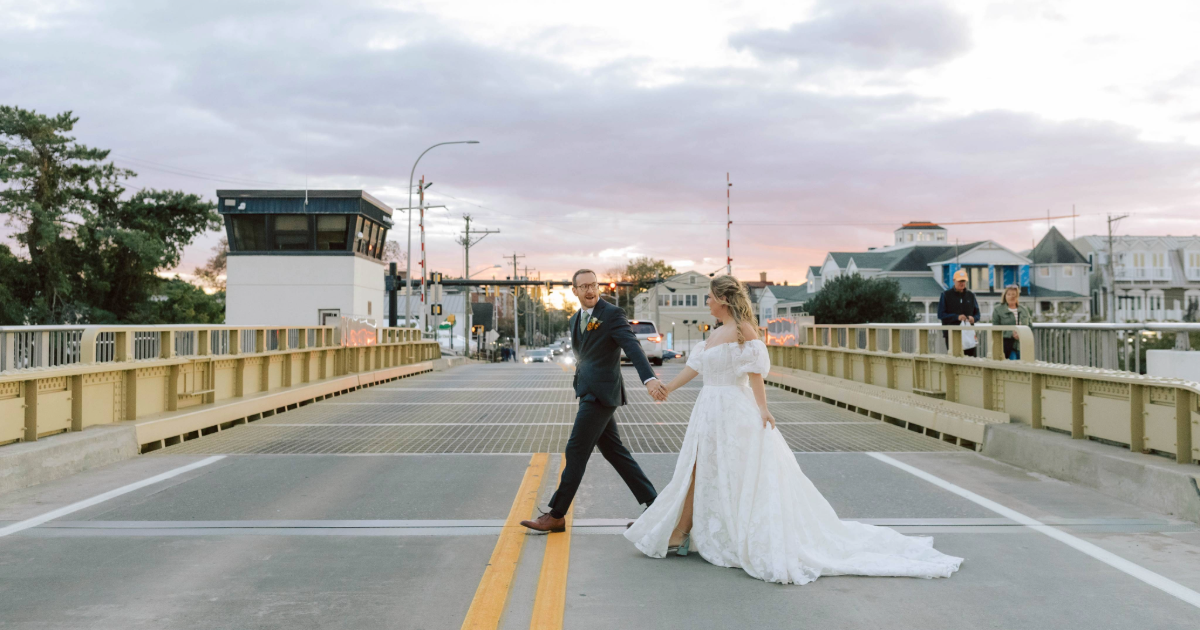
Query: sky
point(606, 130)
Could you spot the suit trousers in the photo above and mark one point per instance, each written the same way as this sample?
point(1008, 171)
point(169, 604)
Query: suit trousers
point(595, 427)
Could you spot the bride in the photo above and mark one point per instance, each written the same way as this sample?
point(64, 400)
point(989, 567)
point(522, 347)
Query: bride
point(738, 496)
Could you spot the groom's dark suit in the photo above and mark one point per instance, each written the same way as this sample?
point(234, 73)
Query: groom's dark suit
point(600, 390)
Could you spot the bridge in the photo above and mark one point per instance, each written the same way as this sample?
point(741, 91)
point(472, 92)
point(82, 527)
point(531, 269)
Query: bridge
point(201, 477)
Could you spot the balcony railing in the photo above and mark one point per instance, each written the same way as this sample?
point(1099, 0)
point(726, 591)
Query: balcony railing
point(1143, 273)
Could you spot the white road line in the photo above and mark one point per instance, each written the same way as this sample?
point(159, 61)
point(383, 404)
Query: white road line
point(522, 404)
point(1163, 584)
point(507, 424)
point(101, 498)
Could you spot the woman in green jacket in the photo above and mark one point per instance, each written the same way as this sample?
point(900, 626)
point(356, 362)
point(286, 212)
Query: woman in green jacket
point(1011, 313)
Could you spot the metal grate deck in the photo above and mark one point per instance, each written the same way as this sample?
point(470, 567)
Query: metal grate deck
point(523, 409)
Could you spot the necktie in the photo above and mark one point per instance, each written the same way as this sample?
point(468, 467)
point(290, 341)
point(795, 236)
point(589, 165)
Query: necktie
point(583, 317)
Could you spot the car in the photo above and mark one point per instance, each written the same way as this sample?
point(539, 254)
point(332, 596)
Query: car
point(672, 354)
point(650, 340)
point(556, 348)
point(541, 355)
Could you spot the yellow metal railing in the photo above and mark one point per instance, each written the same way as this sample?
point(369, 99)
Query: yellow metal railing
point(1143, 413)
point(63, 378)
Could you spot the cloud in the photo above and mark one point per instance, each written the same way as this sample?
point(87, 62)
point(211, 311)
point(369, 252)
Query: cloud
point(865, 35)
point(575, 167)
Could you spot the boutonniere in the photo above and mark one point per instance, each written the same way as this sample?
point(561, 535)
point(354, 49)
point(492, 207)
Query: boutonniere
point(593, 324)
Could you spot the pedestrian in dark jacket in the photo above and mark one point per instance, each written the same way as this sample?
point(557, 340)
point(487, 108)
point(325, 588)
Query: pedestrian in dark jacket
point(958, 305)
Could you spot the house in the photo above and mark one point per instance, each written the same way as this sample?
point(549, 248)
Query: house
point(923, 261)
point(678, 306)
point(1059, 288)
point(782, 300)
point(1157, 278)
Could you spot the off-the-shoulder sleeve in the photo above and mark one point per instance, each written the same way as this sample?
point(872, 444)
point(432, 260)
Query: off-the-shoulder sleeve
point(752, 357)
point(693, 358)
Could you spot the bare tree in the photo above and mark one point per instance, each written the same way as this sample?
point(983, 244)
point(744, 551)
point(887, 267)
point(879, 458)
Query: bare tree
point(212, 274)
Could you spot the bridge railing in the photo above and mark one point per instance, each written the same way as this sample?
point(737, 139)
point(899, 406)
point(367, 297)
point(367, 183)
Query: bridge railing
point(62, 378)
point(1144, 414)
point(1106, 345)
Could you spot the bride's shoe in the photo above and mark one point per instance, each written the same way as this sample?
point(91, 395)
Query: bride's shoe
point(682, 548)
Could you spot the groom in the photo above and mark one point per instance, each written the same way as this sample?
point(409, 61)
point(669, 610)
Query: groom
point(599, 331)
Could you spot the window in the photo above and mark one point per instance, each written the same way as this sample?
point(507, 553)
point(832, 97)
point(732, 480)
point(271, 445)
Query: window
point(1069, 271)
point(978, 279)
point(1193, 259)
point(692, 300)
point(290, 232)
point(642, 328)
point(768, 313)
point(941, 237)
point(331, 233)
point(1044, 272)
point(797, 310)
point(1139, 260)
point(249, 232)
point(358, 235)
point(692, 279)
point(1157, 260)
point(1047, 307)
point(910, 237)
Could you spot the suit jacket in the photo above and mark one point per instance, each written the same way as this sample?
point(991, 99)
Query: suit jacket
point(598, 356)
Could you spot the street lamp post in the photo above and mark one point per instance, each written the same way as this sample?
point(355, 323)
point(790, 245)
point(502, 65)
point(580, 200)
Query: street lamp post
point(408, 255)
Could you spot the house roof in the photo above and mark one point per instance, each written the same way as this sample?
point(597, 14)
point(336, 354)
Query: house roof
point(866, 260)
point(919, 287)
point(815, 270)
point(1036, 292)
point(921, 224)
point(797, 293)
point(951, 251)
point(1055, 249)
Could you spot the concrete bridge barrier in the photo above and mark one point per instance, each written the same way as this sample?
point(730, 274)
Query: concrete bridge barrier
point(168, 384)
point(918, 376)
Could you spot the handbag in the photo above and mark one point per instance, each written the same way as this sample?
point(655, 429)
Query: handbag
point(969, 340)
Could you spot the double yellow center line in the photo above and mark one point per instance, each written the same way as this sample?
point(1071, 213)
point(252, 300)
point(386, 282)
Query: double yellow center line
point(491, 596)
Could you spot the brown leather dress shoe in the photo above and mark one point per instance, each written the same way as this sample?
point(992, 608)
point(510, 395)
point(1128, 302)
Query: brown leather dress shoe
point(546, 523)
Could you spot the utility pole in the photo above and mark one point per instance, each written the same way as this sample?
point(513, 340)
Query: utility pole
point(1111, 302)
point(728, 223)
point(532, 315)
point(516, 308)
point(467, 243)
point(424, 274)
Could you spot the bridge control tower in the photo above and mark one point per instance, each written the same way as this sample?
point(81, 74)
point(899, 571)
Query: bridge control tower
point(303, 258)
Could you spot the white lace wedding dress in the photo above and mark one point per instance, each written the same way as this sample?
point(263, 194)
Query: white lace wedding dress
point(753, 507)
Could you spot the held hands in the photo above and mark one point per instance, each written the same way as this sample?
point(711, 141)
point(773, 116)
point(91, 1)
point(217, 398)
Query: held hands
point(966, 318)
point(657, 390)
point(767, 418)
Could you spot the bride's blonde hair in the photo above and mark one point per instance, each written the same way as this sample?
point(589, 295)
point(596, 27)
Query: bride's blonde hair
point(730, 292)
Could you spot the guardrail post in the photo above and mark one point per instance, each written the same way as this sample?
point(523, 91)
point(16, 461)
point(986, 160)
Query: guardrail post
point(1183, 426)
point(1035, 399)
point(1077, 389)
point(951, 379)
point(996, 345)
point(31, 410)
point(989, 397)
point(77, 402)
point(956, 349)
point(239, 363)
point(1137, 418)
point(166, 350)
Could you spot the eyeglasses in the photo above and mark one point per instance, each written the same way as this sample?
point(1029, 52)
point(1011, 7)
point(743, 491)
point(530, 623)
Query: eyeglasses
point(591, 286)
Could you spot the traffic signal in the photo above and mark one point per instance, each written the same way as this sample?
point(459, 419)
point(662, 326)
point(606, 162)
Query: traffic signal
point(450, 319)
point(612, 286)
point(704, 327)
point(477, 329)
point(435, 309)
point(435, 277)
